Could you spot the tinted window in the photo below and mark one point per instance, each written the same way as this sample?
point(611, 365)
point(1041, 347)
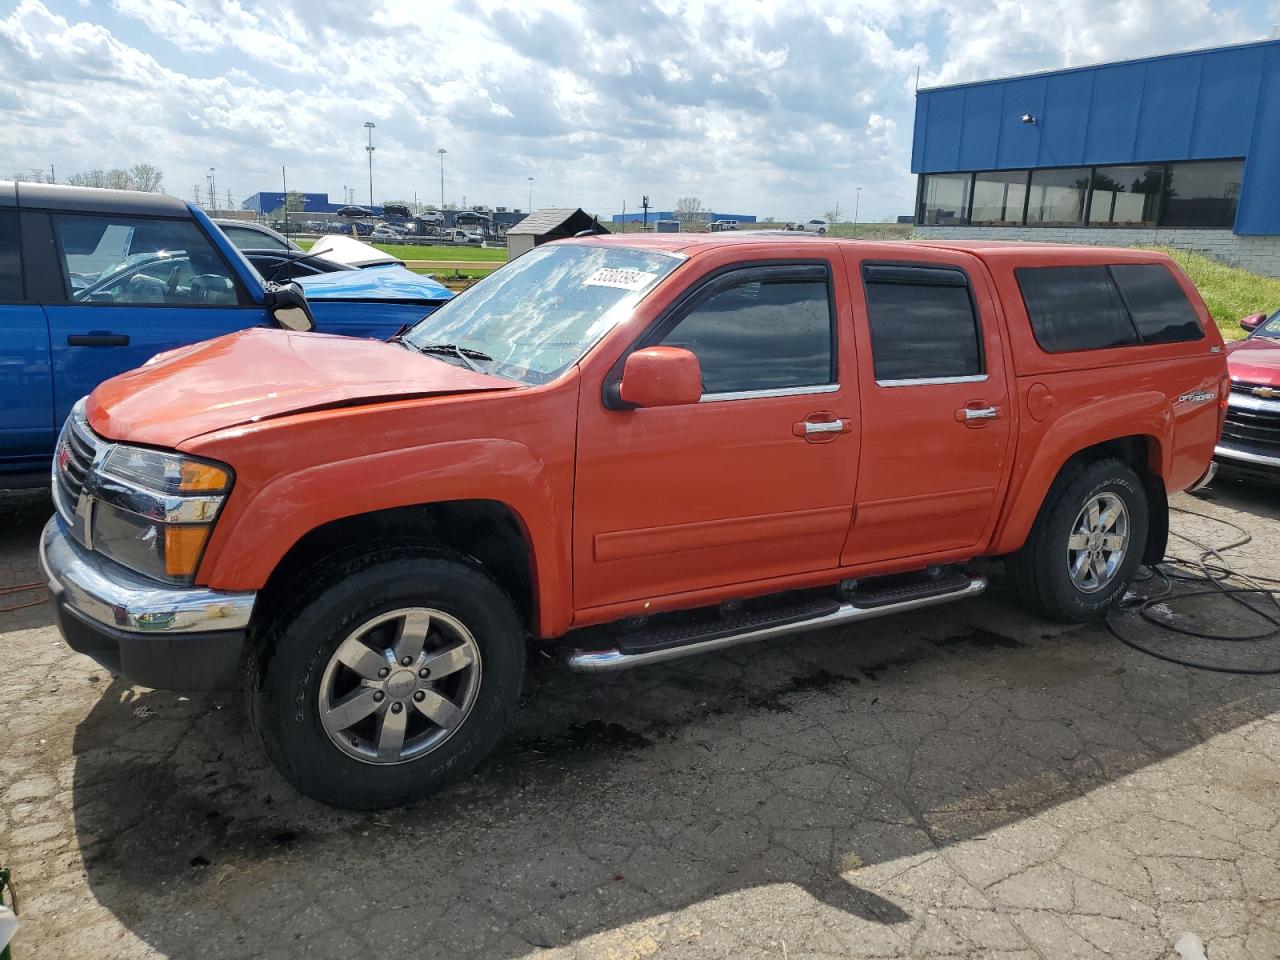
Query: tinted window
point(761, 335)
point(922, 323)
point(998, 197)
point(1075, 308)
point(944, 198)
point(247, 239)
point(1202, 194)
point(124, 260)
point(1159, 308)
point(10, 257)
point(1126, 196)
point(1057, 197)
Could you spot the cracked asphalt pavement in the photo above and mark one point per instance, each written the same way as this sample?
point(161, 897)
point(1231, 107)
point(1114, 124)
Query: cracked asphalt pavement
point(962, 782)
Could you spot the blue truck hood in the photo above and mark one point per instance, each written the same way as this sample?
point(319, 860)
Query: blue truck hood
point(389, 282)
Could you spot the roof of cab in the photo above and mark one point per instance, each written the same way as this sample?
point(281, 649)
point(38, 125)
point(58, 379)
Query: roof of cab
point(56, 196)
point(989, 250)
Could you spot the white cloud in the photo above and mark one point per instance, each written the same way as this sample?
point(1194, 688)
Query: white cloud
point(780, 108)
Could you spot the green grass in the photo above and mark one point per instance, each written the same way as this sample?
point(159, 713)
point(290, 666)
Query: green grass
point(409, 251)
point(1229, 292)
point(448, 273)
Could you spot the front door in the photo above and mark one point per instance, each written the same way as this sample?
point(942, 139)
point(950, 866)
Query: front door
point(756, 480)
point(935, 408)
point(135, 286)
point(26, 387)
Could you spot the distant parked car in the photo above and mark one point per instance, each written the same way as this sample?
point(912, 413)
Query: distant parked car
point(1250, 442)
point(254, 236)
point(720, 225)
point(462, 236)
point(811, 226)
point(96, 282)
point(431, 216)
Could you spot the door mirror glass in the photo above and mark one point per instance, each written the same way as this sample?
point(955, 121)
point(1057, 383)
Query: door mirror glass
point(288, 308)
point(661, 377)
point(1252, 321)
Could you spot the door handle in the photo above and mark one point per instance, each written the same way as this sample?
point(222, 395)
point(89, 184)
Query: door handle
point(821, 431)
point(829, 426)
point(97, 340)
point(981, 413)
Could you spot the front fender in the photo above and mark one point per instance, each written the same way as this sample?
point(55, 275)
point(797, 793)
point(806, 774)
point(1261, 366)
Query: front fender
point(252, 537)
point(1046, 447)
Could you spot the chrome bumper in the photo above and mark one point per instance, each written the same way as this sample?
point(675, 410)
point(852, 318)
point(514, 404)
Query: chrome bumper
point(1226, 452)
point(103, 592)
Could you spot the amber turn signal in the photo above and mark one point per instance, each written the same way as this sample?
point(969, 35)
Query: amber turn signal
point(182, 548)
point(197, 477)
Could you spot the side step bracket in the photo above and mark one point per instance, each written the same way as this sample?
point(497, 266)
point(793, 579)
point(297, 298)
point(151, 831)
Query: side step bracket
point(640, 649)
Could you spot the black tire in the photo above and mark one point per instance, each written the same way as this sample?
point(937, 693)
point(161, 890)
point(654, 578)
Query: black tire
point(1039, 571)
point(285, 676)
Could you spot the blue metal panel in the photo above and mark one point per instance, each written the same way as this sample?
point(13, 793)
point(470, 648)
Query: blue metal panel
point(1259, 209)
point(980, 135)
point(946, 123)
point(1020, 142)
point(1169, 101)
point(1117, 101)
point(1068, 102)
point(1228, 102)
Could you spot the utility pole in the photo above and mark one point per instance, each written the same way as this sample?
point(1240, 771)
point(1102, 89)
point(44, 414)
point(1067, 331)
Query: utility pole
point(531, 194)
point(856, 203)
point(644, 203)
point(52, 178)
point(213, 191)
point(368, 125)
point(284, 187)
point(442, 151)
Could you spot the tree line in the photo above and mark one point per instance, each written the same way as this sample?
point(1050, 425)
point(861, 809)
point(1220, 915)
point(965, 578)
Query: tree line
point(141, 176)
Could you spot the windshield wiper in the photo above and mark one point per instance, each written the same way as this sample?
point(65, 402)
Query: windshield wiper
point(468, 356)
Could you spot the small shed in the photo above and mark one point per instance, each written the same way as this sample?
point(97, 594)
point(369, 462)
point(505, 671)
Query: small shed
point(553, 223)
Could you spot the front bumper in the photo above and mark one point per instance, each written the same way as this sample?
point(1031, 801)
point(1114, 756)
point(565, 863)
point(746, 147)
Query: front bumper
point(1247, 463)
point(151, 633)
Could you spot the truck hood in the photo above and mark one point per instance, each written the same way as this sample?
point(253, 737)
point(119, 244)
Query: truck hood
point(261, 373)
point(1256, 360)
point(388, 282)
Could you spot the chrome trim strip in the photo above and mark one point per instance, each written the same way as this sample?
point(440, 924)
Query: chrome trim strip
point(1206, 479)
point(778, 392)
point(132, 498)
point(609, 661)
point(118, 598)
point(926, 381)
point(1247, 402)
point(1234, 453)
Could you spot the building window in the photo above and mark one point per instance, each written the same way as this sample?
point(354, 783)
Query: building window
point(1125, 196)
point(944, 199)
point(1057, 197)
point(999, 198)
point(1202, 194)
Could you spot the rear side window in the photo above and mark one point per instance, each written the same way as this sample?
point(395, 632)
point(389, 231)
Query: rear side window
point(923, 324)
point(1093, 308)
point(761, 335)
point(10, 257)
point(1075, 308)
point(1159, 308)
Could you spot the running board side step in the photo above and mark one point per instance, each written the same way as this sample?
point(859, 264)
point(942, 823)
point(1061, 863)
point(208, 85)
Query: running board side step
point(616, 658)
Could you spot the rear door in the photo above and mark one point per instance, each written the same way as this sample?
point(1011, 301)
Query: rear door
point(160, 284)
point(936, 417)
point(26, 385)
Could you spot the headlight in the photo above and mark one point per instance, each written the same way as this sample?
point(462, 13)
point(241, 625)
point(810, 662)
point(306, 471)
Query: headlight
point(154, 511)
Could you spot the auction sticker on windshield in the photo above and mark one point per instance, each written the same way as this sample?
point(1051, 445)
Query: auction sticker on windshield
point(621, 278)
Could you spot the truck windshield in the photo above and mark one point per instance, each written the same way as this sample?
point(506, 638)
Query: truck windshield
point(540, 313)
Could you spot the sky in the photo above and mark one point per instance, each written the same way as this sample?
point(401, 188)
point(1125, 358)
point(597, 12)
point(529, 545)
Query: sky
point(779, 109)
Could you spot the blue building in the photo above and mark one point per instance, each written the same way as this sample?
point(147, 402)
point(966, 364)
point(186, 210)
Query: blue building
point(1176, 149)
point(638, 216)
point(268, 201)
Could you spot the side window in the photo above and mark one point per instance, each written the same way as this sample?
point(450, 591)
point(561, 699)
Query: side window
point(1075, 308)
point(126, 260)
point(761, 335)
point(247, 239)
point(1159, 308)
point(923, 323)
point(10, 257)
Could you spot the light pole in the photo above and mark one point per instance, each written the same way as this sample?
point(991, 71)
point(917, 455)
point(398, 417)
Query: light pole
point(856, 203)
point(442, 151)
point(531, 194)
point(368, 125)
point(213, 191)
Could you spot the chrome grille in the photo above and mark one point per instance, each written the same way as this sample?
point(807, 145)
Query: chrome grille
point(1243, 386)
point(1256, 430)
point(78, 448)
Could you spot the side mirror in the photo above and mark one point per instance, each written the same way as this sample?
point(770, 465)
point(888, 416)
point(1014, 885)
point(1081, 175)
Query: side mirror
point(1252, 321)
point(288, 308)
point(661, 377)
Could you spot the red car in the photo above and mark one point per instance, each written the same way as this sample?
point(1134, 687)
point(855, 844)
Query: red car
point(1250, 444)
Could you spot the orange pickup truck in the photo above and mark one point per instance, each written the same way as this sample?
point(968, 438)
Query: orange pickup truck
point(622, 450)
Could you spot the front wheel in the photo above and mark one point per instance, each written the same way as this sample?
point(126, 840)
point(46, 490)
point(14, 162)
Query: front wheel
point(388, 680)
point(1086, 544)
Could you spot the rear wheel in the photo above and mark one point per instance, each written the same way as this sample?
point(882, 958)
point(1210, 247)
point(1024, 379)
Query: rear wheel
point(1086, 544)
point(388, 680)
